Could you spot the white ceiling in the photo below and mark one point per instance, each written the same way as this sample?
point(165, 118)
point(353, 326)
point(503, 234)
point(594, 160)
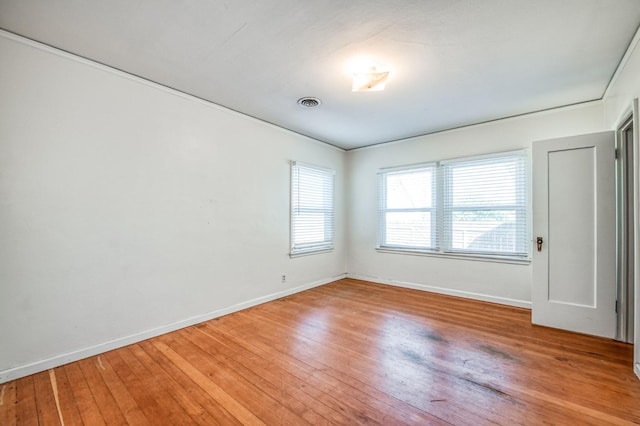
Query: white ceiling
point(453, 63)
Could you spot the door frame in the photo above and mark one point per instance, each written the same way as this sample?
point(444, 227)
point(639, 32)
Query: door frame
point(626, 231)
point(636, 205)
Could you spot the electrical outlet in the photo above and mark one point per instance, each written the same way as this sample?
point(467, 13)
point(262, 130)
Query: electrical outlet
point(284, 278)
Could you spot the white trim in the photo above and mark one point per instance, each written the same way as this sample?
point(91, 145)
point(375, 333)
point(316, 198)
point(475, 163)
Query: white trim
point(302, 253)
point(622, 278)
point(460, 256)
point(56, 361)
point(312, 166)
point(636, 224)
point(408, 167)
point(624, 116)
point(175, 92)
point(622, 63)
point(490, 156)
point(522, 116)
point(449, 292)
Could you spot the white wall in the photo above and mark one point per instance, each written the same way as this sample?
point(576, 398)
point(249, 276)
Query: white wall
point(501, 282)
point(128, 210)
point(625, 86)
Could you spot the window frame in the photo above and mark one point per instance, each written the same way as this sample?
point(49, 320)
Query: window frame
point(328, 242)
point(383, 209)
point(443, 225)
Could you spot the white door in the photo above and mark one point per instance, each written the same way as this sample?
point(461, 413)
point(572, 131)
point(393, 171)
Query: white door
point(574, 267)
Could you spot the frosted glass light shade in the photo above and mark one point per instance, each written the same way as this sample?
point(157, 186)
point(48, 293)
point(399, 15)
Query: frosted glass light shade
point(369, 81)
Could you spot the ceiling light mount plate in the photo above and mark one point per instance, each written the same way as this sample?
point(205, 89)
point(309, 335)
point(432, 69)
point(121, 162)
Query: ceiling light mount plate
point(309, 102)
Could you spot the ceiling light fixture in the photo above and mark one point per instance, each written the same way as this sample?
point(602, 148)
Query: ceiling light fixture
point(372, 80)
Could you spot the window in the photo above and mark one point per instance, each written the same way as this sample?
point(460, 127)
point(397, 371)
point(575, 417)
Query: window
point(407, 214)
point(485, 205)
point(473, 206)
point(312, 213)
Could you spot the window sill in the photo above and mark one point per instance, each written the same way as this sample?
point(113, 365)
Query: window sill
point(458, 256)
point(309, 252)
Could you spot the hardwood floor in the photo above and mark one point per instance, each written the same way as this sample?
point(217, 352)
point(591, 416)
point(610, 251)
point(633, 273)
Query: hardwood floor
point(350, 352)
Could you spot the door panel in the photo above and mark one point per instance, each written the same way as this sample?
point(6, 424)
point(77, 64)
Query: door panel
point(574, 273)
point(571, 237)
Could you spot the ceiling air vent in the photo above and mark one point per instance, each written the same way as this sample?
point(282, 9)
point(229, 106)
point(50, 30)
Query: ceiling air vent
point(309, 102)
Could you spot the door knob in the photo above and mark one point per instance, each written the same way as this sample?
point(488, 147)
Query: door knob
point(539, 242)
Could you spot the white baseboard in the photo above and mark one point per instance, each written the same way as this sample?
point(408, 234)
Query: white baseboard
point(636, 368)
point(450, 292)
point(56, 361)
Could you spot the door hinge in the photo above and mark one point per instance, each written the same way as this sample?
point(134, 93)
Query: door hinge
point(616, 306)
point(617, 153)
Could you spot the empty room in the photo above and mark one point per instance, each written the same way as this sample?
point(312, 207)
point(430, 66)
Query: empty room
point(286, 212)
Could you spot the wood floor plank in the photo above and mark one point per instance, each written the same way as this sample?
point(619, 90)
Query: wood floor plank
point(147, 389)
point(278, 379)
point(128, 406)
point(87, 406)
point(218, 353)
point(107, 405)
point(269, 377)
point(45, 400)
point(26, 408)
point(238, 410)
point(137, 388)
point(349, 352)
point(196, 412)
point(8, 401)
point(56, 397)
point(216, 410)
point(264, 406)
point(68, 403)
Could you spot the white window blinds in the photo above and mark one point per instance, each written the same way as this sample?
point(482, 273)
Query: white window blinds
point(312, 211)
point(475, 205)
point(485, 205)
